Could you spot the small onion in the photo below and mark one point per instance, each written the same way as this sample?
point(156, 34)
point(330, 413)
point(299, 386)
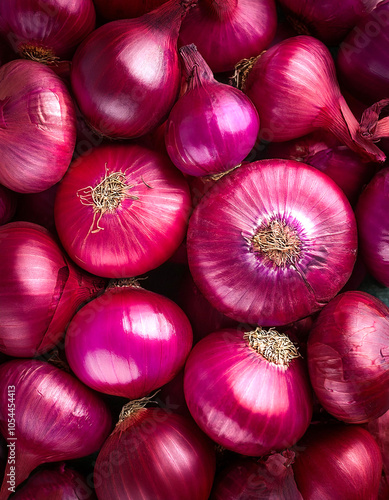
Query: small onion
point(338, 463)
point(249, 392)
point(124, 9)
point(348, 357)
point(37, 127)
point(8, 203)
point(122, 210)
point(56, 417)
point(128, 342)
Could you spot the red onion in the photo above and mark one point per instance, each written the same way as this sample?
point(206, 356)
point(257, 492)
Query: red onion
point(38, 208)
point(122, 210)
point(37, 127)
point(128, 342)
point(60, 483)
point(8, 203)
point(264, 479)
point(348, 357)
point(373, 226)
point(124, 9)
point(56, 418)
point(153, 453)
point(126, 74)
point(46, 30)
point(213, 126)
point(338, 463)
point(226, 32)
point(363, 57)
point(329, 21)
point(249, 392)
point(294, 88)
point(40, 290)
point(262, 246)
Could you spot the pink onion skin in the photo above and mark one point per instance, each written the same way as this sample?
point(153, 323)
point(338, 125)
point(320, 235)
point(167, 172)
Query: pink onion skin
point(8, 204)
point(140, 234)
point(60, 483)
point(338, 463)
point(328, 21)
point(294, 88)
point(226, 32)
point(242, 283)
point(40, 290)
point(248, 479)
point(57, 26)
point(155, 454)
point(230, 391)
point(373, 227)
point(37, 127)
point(69, 420)
point(128, 342)
point(126, 75)
point(38, 208)
point(123, 9)
point(348, 357)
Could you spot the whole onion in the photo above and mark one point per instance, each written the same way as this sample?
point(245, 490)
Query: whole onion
point(8, 203)
point(262, 247)
point(348, 357)
point(123, 9)
point(45, 31)
point(154, 454)
point(37, 127)
point(56, 418)
point(248, 391)
point(338, 463)
point(126, 75)
point(128, 342)
point(294, 88)
point(228, 31)
point(40, 289)
point(213, 126)
point(122, 210)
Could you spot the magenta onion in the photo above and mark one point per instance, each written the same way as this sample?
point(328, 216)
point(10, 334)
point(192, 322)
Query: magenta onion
point(267, 478)
point(122, 210)
point(373, 226)
point(55, 418)
point(348, 357)
point(123, 9)
point(154, 454)
point(40, 290)
point(37, 127)
point(38, 208)
point(338, 463)
point(213, 126)
point(126, 74)
point(248, 391)
point(128, 342)
point(59, 483)
point(294, 88)
point(329, 21)
point(46, 31)
point(262, 247)
point(8, 203)
point(226, 32)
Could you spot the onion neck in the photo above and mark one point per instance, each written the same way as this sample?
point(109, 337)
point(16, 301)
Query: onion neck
point(169, 15)
point(25, 463)
point(131, 411)
point(221, 9)
point(124, 283)
point(195, 68)
point(242, 71)
point(275, 347)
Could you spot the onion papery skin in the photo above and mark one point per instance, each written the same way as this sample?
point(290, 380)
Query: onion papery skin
point(40, 290)
point(56, 416)
point(226, 32)
point(146, 227)
point(241, 400)
point(126, 75)
point(248, 479)
point(247, 285)
point(8, 203)
point(348, 357)
point(37, 127)
point(364, 55)
point(373, 226)
point(163, 455)
point(293, 85)
point(60, 483)
point(123, 9)
point(328, 21)
point(128, 342)
point(50, 29)
point(338, 463)
point(213, 126)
